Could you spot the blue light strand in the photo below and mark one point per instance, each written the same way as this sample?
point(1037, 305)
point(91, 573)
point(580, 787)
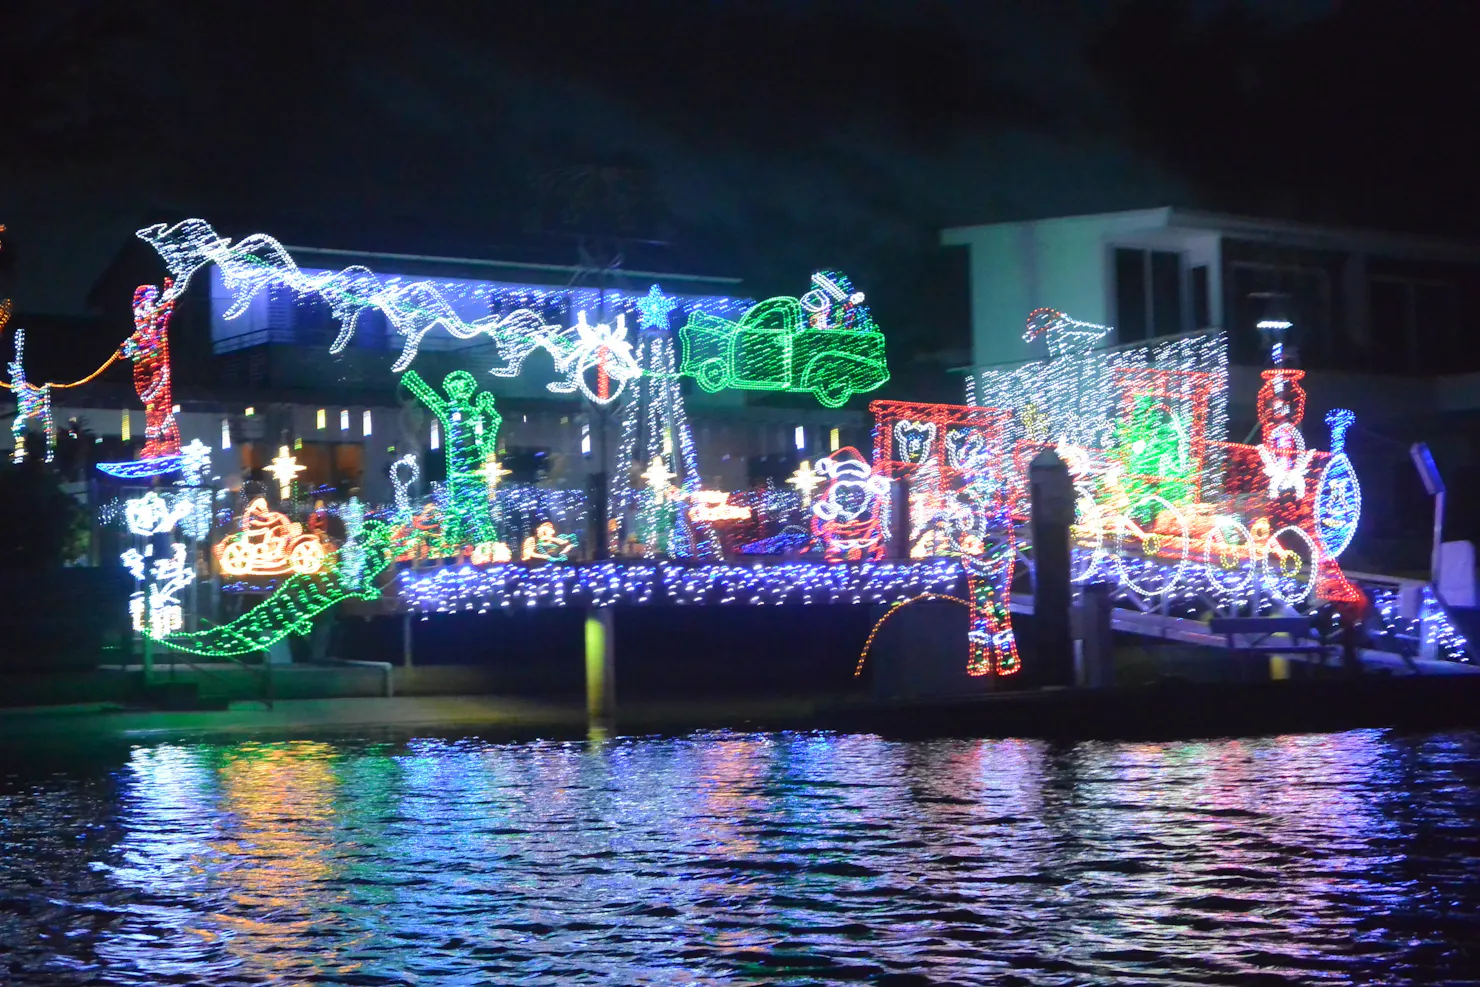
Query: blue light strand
point(505, 587)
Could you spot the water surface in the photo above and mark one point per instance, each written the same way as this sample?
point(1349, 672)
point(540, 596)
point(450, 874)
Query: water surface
point(739, 859)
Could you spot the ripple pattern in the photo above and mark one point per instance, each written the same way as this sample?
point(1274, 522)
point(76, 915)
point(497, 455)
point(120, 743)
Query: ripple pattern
point(724, 858)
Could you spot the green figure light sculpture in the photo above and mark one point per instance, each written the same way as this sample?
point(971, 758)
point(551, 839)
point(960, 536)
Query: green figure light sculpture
point(470, 425)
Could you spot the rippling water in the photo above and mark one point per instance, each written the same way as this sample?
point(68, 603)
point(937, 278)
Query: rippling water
point(730, 859)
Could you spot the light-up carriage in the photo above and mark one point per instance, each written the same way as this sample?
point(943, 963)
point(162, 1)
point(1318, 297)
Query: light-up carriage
point(1166, 507)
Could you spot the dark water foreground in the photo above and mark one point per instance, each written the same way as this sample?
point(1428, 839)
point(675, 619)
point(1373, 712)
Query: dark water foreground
point(729, 859)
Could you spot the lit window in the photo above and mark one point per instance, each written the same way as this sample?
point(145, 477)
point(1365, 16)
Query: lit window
point(250, 412)
point(344, 420)
point(175, 410)
point(365, 422)
point(123, 430)
point(436, 436)
point(800, 437)
point(226, 433)
point(322, 418)
point(832, 441)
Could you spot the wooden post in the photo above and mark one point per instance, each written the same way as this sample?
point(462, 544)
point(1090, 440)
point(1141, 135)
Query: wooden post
point(1098, 646)
point(1051, 495)
point(899, 519)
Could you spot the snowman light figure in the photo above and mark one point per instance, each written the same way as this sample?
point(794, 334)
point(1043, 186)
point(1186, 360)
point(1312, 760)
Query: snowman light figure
point(846, 518)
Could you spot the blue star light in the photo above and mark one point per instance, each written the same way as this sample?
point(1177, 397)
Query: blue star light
point(653, 309)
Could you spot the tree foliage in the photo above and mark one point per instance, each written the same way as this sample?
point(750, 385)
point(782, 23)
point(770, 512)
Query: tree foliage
point(42, 522)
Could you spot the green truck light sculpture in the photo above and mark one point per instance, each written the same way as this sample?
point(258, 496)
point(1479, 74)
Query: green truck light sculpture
point(824, 343)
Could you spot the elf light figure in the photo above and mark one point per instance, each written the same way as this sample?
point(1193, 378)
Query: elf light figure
point(471, 425)
point(149, 349)
point(991, 645)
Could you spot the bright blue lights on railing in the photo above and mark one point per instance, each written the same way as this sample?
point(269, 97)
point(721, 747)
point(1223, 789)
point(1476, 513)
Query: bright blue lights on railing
point(501, 587)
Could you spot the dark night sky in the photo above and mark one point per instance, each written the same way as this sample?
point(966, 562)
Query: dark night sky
point(777, 136)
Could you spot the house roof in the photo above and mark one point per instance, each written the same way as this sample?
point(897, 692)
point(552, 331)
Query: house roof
point(1288, 233)
point(504, 254)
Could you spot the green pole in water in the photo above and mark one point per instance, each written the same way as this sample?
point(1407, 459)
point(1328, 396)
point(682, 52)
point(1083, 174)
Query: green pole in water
point(601, 684)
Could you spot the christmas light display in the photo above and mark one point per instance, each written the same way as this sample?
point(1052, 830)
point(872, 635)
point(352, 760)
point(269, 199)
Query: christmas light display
point(471, 424)
point(424, 537)
point(151, 514)
point(654, 308)
point(714, 505)
point(149, 349)
point(824, 343)
point(868, 644)
point(32, 401)
point(952, 459)
point(493, 472)
point(1074, 397)
point(285, 469)
point(658, 477)
point(155, 607)
point(470, 589)
point(1285, 459)
point(577, 351)
point(1338, 504)
point(406, 464)
point(194, 498)
point(547, 546)
point(269, 544)
point(291, 608)
point(806, 480)
point(1166, 507)
point(524, 507)
point(413, 308)
point(655, 426)
point(846, 519)
point(351, 569)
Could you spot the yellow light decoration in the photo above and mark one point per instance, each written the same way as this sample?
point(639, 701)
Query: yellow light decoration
point(493, 471)
point(269, 544)
point(900, 605)
point(486, 552)
point(284, 469)
point(658, 475)
point(806, 480)
point(714, 505)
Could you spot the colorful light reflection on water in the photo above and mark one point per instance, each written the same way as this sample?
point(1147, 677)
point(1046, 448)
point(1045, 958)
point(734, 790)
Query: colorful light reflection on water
point(729, 859)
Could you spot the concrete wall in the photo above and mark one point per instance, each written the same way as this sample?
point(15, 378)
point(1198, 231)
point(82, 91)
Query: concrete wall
point(1059, 263)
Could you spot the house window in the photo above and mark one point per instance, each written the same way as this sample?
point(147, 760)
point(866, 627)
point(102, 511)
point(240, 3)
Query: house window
point(1298, 293)
point(1148, 293)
